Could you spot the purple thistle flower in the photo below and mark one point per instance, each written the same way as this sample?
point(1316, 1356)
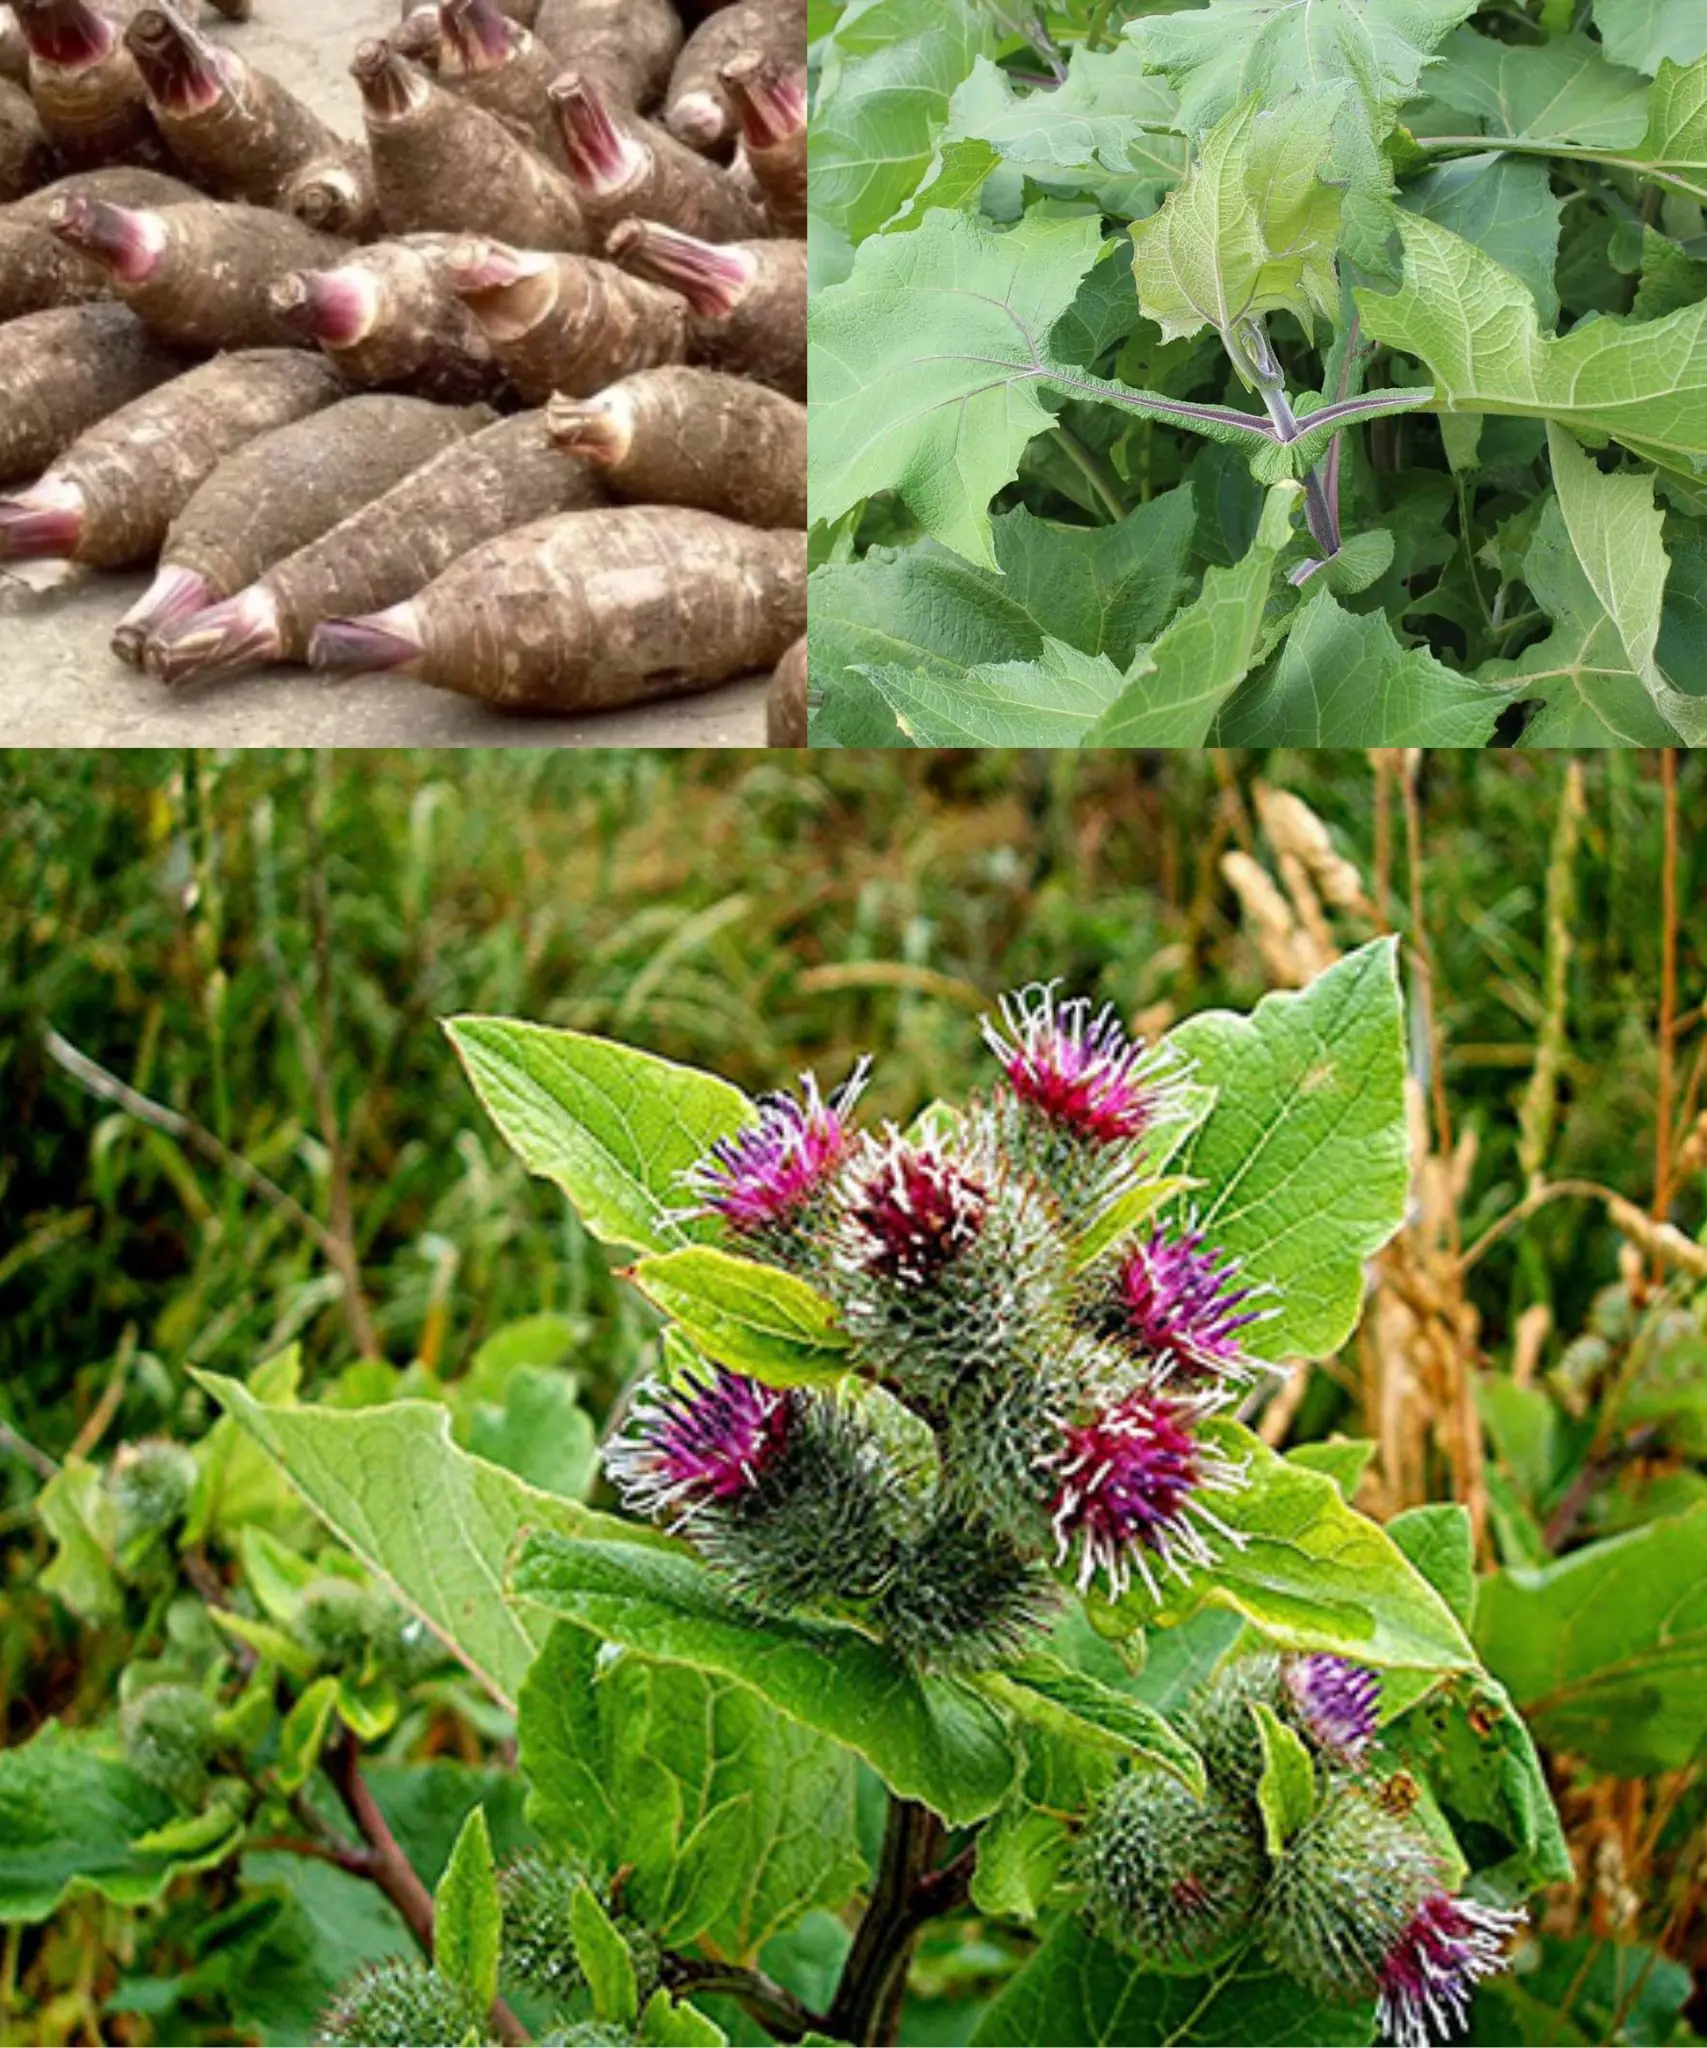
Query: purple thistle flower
point(1337, 1702)
point(1129, 1483)
point(698, 1443)
point(1078, 1068)
point(1176, 1301)
point(769, 1170)
point(1447, 1947)
point(913, 1212)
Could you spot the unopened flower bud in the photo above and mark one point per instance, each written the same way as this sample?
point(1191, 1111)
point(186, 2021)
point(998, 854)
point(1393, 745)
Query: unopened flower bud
point(535, 1893)
point(961, 1597)
point(151, 1483)
point(336, 1620)
point(168, 1736)
point(396, 2003)
point(1167, 1874)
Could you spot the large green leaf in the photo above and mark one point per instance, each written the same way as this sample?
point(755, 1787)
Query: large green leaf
point(1311, 1572)
point(1505, 206)
point(1597, 566)
point(1606, 1650)
point(1251, 228)
point(1475, 326)
point(70, 1812)
point(1303, 1159)
point(890, 66)
point(1343, 679)
point(928, 1738)
point(753, 1318)
point(1562, 90)
point(434, 1523)
point(1646, 32)
point(1175, 687)
point(928, 368)
point(1053, 701)
point(1025, 1846)
point(1052, 1695)
point(614, 1128)
point(732, 1820)
point(1111, 122)
point(1079, 1992)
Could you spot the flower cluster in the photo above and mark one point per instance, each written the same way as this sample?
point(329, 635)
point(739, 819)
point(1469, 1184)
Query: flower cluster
point(1063, 1367)
point(1356, 1904)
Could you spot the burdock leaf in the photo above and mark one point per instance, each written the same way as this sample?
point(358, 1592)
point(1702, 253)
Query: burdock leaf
point(754, 1318)
point(1176, 686)
point(1562, 90)
point(1505, 206)
point(930, 364)
point(927, 1737)
point(1251, 228)
point(1286, 1791)
point(1646, 32)
point(1303, 1161)
point(1673, 148)
point(1343, 676)
point(1050, 702)
point(1476, 328)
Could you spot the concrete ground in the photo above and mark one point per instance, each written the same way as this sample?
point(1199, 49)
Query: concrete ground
point(60, 686)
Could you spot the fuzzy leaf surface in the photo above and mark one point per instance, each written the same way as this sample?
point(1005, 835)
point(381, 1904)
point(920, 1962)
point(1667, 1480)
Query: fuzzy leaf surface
point(1053, 701)
point(890, 69)
point(1647, 32)
point(1505, 206)
point(929, 365)
point(1562, 90)
point(614, 1128)
point(1252, 226)
point(927, 1738)
point(732, 1819)
point(1304, 1158)
point(1606, 1650)
point(1175, 687)
point(467, 1922)
point(435, 1524)
point(1044, 1690)
point(1312, 1573)
point(1342, 679)
point(1475, 326)
point(1111, 120)
point(1078, 1990)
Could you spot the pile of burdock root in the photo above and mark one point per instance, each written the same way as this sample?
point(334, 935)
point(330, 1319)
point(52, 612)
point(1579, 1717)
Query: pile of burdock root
point(506, 394)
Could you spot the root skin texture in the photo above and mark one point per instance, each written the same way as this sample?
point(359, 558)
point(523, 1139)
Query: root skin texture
point(495, 64)
point(26, 155)
point(592, 611)
point(693, 437)
point(65, 370)
point(197, 276)
point(785, 711)
point(37, 270)
point(567, 323)
point(237, 131)
point(390, 319)
point(136, 471)
point(700, 110)
point(627, 46)
point(504, 477)
point(443, 166)
point(283, 490)
point(748, 299)
point(85, 85)
point(625, 168)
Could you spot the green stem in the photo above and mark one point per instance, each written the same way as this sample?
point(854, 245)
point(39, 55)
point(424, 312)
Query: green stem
point(1095, 472)
point(1519, 145)
point(1099, 22)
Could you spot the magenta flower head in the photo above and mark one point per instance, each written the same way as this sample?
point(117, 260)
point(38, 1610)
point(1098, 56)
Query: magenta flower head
point(1176, 1301)
point(1448, 1946)
point(1079, 1069)
point(760, 1179)
point(912, 1212)
point(1129, 1486)
point(699, 1443)
point(1336, 1701)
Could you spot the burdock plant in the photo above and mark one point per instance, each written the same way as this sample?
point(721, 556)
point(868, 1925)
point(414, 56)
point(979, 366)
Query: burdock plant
point(944, 1435)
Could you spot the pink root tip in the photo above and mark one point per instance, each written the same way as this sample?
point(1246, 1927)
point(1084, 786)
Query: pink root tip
point(126, 240)
point(352, 646)
point(600, 157)
point(478, 31)
point(42, 525)
point(226, 639)
point(174, 595)
point(65, 33)
point(334, 307)
point(710, 278)
point(771, 104)
point(179, 68)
